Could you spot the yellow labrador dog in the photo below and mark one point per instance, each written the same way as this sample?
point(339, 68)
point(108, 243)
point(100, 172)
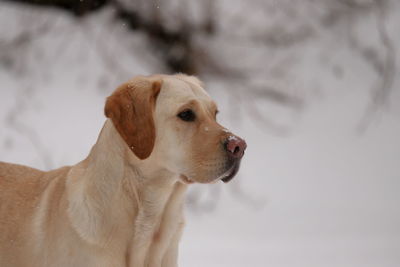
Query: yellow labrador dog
point(122, 205)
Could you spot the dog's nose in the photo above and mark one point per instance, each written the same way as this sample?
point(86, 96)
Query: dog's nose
point(235, 146)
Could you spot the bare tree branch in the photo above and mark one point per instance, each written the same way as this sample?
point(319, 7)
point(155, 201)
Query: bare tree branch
point(387, 71)
point(33, 137)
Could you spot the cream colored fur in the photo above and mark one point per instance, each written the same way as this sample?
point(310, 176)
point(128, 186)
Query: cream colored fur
point(111, 209)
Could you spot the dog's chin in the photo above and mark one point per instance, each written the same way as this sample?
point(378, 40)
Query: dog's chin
point(230, 173)
point(225, 177)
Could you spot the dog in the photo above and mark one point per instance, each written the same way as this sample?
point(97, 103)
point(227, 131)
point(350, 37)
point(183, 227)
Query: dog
point(122, 206)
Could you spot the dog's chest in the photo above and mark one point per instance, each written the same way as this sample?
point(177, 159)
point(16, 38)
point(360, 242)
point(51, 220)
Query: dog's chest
point(157, 227)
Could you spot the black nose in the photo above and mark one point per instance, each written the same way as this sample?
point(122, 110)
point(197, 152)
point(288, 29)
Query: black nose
point(235, 146)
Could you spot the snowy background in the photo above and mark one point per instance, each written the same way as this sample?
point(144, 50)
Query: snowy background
point(313, 87)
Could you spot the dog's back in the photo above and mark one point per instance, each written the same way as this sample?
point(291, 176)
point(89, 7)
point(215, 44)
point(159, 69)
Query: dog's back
point(21, 191)
point(19, 187)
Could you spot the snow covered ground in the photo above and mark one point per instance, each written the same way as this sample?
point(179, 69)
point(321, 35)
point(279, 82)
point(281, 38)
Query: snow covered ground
point(323, 195)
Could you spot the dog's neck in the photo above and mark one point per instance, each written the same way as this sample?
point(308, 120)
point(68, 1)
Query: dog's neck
point(110, 175)
point(110, 155)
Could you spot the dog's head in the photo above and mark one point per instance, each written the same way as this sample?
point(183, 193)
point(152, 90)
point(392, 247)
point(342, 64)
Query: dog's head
point(171, 120)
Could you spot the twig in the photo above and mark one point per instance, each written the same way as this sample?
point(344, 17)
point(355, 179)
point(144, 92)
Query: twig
point(383, 89)
point(31, 135)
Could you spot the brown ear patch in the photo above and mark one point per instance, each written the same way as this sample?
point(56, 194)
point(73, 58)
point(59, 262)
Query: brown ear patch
point(131, 109)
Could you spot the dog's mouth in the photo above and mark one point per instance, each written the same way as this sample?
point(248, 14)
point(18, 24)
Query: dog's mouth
point(224, 177)
point(230, 173)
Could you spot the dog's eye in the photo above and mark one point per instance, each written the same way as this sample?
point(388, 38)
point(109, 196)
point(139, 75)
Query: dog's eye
point(187, 115)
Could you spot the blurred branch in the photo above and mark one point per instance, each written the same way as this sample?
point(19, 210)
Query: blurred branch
point(273, 94)
point(201, 200)
point(101, 48)
point(77, 7)
point(175, 46)
point(246, 97)
point(386, 70)
point(12, 120)
point(22, 41)
point(236, 188)
point(209, 10)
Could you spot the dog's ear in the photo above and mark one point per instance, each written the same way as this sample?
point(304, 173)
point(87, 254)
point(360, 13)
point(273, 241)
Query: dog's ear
point(131, 109)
